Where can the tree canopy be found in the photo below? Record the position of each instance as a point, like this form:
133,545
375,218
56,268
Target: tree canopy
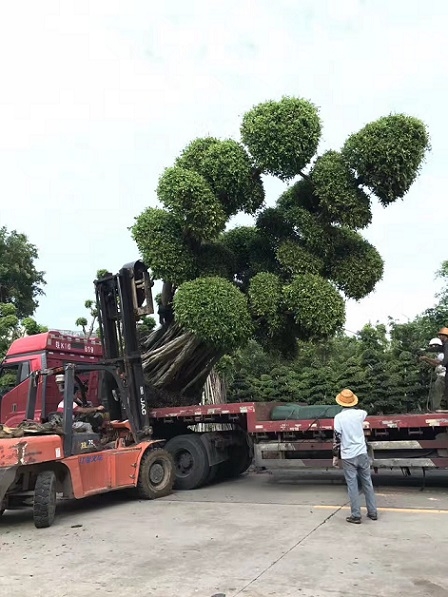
11,327
21,283
303,256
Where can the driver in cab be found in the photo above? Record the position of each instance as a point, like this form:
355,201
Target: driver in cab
83,416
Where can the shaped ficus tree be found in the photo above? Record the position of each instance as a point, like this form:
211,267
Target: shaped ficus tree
287,276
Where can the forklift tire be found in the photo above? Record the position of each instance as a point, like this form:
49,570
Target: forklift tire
156,475
190,459
44,506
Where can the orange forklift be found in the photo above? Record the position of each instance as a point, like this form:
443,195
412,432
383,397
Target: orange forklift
59,456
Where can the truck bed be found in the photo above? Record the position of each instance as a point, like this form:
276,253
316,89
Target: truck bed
255,418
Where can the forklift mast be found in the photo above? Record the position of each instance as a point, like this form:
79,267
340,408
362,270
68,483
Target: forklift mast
121,300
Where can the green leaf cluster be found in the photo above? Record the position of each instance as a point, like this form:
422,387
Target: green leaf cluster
229,171
216,259
215,311
265,298
295,259
317,307
387,154
355,265
282,136
160,240
340,198
188,196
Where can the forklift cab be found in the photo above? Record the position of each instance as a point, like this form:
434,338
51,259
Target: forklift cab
76,439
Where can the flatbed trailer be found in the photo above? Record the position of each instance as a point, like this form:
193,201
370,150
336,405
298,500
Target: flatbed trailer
399,441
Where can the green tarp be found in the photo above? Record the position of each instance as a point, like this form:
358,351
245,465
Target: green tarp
296,412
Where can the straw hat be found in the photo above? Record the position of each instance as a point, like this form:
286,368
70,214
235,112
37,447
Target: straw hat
347,398
443,332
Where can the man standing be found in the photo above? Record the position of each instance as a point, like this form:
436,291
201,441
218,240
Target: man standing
349,445
438,387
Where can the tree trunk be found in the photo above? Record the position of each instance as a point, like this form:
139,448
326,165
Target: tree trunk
215,389
176,366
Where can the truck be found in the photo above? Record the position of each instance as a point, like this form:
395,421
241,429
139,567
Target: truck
211,442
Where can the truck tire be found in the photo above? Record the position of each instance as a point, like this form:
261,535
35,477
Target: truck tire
212,474
238,462
156,474
44,506
190,460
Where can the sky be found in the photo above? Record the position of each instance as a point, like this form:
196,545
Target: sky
98,98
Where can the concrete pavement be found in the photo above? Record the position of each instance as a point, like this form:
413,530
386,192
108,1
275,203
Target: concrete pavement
253,537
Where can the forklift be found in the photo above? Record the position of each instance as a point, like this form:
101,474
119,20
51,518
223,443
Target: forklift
57,456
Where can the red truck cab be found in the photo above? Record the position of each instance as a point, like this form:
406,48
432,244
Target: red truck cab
43,351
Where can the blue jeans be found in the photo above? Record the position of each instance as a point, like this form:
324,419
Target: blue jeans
354,468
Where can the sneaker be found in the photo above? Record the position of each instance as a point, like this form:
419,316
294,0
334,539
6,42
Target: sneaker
353,519
372,516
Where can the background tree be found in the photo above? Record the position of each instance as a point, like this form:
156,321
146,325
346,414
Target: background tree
82,322
285,278
88,327
11,327
8,324
20,282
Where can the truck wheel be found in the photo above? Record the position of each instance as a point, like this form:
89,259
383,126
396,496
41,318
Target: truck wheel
44,506
239,461
156,475
190,460
212,474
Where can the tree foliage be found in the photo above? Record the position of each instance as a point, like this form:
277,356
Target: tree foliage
214,311
298,262
282,136
386,377
316,306
189,197
266,298
295,259
21,283
162,240
12,327
387,155
354,265
340,198
380,363
229,171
